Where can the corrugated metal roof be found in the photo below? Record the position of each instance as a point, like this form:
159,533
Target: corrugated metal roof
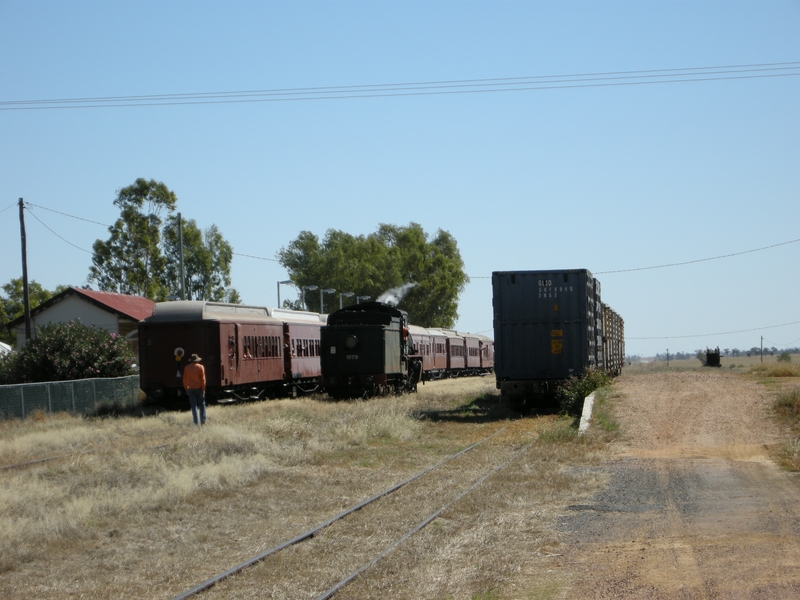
134,308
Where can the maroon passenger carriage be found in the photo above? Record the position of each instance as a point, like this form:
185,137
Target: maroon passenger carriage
249,352
486,353
447,353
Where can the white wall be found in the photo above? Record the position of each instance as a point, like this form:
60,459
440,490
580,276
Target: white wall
69,309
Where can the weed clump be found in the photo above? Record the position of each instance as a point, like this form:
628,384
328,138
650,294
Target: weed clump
571,393
776,370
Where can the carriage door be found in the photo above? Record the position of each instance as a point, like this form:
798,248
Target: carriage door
229,353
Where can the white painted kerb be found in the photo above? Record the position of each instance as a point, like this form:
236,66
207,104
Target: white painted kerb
586,415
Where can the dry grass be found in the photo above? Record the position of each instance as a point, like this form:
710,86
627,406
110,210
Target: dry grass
148,507
736,364
776,369
115,467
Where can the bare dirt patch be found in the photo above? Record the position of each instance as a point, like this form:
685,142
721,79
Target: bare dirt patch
694,506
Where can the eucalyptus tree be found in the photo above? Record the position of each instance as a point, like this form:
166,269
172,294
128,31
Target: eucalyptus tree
429,270
131,260
207,258
141,256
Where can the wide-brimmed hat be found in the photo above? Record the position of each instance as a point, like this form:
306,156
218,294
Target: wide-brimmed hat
195,358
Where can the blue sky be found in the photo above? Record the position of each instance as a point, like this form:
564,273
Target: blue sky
608,178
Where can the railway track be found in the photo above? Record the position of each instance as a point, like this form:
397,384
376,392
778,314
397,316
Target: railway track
321,562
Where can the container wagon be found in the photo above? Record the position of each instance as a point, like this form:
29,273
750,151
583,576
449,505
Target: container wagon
548,326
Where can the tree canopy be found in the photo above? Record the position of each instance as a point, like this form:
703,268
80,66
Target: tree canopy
207,260
12,304
141,257
430,272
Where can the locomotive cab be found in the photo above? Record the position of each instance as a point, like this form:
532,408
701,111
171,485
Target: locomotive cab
366,351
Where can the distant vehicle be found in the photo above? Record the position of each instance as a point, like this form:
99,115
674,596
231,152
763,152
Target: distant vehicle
549,326
4,349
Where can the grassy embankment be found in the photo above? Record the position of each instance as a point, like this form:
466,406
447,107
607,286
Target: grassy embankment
783,378
129,501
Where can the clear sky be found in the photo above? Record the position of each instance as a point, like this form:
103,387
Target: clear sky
570,175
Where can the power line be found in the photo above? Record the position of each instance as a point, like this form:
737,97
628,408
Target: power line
55,234
678,264
676,337
28,204
689,262
9,206
426,88
784,345
257,257
67,215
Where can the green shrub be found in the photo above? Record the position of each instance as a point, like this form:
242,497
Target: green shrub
784,357
571,393
64,351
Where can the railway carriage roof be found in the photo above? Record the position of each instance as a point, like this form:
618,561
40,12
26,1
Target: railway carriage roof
417,330
449,333
198,310
297,316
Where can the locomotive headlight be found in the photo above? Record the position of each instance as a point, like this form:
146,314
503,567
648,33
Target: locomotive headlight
351,342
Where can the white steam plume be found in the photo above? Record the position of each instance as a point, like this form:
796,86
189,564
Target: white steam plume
395,295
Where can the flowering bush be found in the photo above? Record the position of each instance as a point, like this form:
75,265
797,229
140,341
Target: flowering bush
64,351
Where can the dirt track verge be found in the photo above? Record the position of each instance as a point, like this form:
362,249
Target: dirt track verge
694,506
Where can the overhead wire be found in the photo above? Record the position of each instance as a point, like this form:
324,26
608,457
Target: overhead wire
67,215
425,88
689,262
55,234
27,204
783,344
676,337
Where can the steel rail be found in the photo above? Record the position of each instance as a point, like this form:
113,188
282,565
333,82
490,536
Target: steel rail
331,591
312,532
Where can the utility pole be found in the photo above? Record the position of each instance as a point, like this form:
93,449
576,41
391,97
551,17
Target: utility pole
25,294
180,248
762,348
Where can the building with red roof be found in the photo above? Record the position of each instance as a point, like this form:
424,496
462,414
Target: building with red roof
116,313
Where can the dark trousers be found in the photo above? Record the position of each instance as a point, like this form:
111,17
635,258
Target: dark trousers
197,401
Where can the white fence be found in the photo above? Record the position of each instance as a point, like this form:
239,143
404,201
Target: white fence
85,396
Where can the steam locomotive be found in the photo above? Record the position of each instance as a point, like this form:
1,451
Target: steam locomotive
370,349
253,352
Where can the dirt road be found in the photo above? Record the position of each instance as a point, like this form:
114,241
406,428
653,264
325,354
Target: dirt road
694,507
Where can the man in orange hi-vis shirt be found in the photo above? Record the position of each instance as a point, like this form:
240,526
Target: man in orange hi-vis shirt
194,381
